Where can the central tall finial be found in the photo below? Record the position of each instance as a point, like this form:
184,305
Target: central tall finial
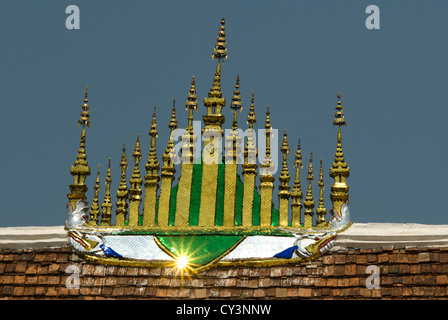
215,101
220,50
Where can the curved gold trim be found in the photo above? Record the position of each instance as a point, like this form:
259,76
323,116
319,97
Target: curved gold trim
198,269
195,267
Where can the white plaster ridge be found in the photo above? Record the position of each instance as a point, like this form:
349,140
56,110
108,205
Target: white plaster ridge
372,235
32,237
358,235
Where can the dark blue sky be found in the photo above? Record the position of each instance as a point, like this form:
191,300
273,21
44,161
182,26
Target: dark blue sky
295,55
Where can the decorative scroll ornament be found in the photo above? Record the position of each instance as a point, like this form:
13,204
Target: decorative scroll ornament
213,215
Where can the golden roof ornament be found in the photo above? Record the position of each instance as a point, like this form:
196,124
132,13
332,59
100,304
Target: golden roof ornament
135,190
137,154
192,104
296,193
122,192
284,174
220,50
236,104
152,164
169,156
196,222
95,208
84,118
321,211
251,119
339,119
339,171
308,203
250,149
81,169
267,161
106,206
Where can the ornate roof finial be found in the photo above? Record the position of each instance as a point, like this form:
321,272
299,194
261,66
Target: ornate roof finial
220,50
284,174
152,164
81,169
153,130
308,203
215,101
268,128
192,100
250,150
137,154
236,104
285,147
173,120
321,210
339,115
84,118
122,192
310,169
296,193
95,208
298,158
192,104
168,156
251,119
107,202
135,190
123,162
268,120
321,176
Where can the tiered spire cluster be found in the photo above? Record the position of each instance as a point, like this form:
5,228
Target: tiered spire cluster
207,189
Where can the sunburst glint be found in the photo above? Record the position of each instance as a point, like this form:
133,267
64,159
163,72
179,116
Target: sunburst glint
182,262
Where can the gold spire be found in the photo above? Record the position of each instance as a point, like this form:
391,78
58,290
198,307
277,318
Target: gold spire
81,169
249,168
107,202
250,151
321,211
152,166
309,201
220,50
284,174
168,169
284,178
122,192
236,104
298,158
296,193
137,154
310,170
135,191
95,208
151,178
266,178
84,118
339,171
268,128
153,129
168,156
339,115
251,119
192,104
215,101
